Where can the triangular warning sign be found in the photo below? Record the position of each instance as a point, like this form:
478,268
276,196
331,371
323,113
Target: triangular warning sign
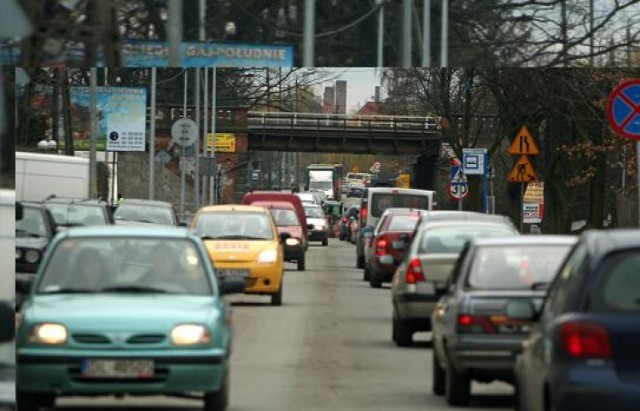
522,172
524,143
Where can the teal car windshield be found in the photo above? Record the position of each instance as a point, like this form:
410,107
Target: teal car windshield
126,265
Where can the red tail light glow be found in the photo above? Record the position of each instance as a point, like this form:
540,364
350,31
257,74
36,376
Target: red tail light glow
345,219
585,340
414,272
476,324
363,213
381,246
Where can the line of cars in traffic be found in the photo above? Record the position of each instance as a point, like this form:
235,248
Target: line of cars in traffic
557,317
136,308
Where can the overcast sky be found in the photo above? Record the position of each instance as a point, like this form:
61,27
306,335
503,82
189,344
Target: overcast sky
361,85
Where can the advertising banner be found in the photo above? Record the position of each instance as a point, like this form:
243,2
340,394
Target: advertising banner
207,54
121,118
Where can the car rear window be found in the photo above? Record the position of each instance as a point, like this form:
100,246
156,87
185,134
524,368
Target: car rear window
284,217
381,201
617,288
144,213
451,239
515,267
403,223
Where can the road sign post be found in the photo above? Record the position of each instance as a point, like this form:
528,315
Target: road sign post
623,112
523,145
475,162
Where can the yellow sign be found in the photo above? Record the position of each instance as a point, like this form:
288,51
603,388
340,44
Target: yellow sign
403,180
522,172
225,142
524,144
534,193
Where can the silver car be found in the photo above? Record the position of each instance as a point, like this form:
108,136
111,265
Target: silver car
419,281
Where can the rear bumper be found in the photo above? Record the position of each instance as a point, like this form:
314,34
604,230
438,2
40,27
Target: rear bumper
263,278
491,354
415,307
293,252
175,373
382,272
593,388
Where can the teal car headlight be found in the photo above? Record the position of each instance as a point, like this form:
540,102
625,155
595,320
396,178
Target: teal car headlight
49,334
190,334
32,256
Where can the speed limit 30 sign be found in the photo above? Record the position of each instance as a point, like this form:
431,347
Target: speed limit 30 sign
458,185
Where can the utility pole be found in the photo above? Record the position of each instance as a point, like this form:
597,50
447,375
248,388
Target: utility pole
206,130
444,36
183,176
380,60
152,136
197,142
175,33
426,33
94,132
309,32
214,188
66,107
406,33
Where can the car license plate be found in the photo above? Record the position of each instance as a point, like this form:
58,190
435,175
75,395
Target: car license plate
234,274
118,368
397,244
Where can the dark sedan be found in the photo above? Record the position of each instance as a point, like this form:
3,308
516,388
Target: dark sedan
69,212
33,234
583,353
473,338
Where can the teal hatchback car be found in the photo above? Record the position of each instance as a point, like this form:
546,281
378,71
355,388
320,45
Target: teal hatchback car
125,311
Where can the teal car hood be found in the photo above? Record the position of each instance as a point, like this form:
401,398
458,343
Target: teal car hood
123,312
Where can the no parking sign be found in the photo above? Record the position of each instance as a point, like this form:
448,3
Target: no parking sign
623,109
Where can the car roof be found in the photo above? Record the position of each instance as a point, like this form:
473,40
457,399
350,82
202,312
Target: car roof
63,200
232,207
33,204
398,190
451,215
606,241
274,204
402,211
429,224
142,201
134,231
526,240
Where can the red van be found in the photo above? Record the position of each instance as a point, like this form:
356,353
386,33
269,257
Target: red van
287,221
250,198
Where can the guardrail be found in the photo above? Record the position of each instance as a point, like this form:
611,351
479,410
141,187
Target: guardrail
317,121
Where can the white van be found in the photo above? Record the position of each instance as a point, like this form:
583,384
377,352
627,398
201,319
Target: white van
376,200
356,178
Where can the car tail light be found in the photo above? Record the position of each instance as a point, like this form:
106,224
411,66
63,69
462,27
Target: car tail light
363,213
475,324
585,340
345,219
381,246
414,272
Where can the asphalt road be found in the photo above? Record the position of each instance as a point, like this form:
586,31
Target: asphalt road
328,347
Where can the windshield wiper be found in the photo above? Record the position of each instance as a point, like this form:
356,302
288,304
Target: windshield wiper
133,289
68,291
27,233
540,285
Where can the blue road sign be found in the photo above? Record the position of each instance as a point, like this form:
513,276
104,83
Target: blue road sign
458,185
473,160
623,109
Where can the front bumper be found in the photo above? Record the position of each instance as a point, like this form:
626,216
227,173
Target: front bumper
293,252
176,371
263,278
318,235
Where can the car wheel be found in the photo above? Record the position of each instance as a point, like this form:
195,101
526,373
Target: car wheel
276,299
360,262
457,387
374,282
402,332
437,376
301,263
34,402
219,400
325,242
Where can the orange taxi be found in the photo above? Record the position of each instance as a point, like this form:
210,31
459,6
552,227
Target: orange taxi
243,243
